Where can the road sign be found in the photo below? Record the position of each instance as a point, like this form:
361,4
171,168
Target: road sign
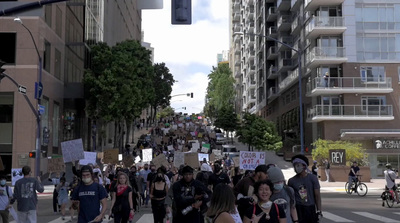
21,89
42,108
38,90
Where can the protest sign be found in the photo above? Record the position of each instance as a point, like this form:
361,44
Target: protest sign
128,161
16,174
160,160
137,159
236,161
212,157
158,140
170,147
179,159
72,150
250,160
196,146
212,135
205,148
55,165
192,159
147,155
100,155
90,157
202,156
111,156
200,135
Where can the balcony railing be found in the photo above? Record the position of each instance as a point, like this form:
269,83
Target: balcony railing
273,92
253,109
327,53
284,22
289,80
272,31
272,71
271,14
326,25
350,112
340,85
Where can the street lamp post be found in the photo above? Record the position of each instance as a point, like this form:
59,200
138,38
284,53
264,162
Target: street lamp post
299,52
38,96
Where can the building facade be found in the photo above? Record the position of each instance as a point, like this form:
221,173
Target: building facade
349,52
62,33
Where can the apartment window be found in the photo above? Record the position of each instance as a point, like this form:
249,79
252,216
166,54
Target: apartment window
57,64
8,47
373,103
46,56
372,74
377,16
47,14
58,21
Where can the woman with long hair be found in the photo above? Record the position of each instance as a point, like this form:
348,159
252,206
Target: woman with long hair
121,203
158,193
265,211
222,208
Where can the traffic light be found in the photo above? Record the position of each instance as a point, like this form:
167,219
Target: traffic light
181,12
32,154
191,95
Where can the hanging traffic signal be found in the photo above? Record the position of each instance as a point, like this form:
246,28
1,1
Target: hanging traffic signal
191,95
181,12
32,154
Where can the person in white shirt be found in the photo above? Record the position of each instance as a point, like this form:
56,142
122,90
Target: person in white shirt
390,177
205,166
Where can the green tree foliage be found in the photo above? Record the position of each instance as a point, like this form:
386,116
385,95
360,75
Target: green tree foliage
162,83
220,90
227,119
119,81
354,151
259,133
166,112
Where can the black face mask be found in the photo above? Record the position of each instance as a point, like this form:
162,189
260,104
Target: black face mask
217,169
146,168
159,178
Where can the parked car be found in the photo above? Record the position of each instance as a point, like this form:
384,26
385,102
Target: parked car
220,138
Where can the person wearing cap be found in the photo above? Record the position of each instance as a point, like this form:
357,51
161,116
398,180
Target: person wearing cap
354,171
89,195
25,194
190,198
5,195
283,195
244,189
390,177
307,191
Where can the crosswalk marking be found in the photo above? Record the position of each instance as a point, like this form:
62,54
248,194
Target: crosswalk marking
376,217
335,218
145,218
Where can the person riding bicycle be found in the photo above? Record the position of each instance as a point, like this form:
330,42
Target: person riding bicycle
390,177
353,175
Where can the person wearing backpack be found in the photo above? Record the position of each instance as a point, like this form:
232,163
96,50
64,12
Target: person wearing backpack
5,195
283,195
89,195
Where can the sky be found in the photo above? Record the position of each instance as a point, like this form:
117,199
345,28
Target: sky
189,51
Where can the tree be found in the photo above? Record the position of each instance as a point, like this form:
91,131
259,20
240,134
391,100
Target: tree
227,120
259,133
119,83
220,90
354,151
162,84
166,112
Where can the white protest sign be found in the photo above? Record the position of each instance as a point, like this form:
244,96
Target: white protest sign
180,147
179,159
147,155
250,160
196,146
90,157
16,174
72,150
202,156
119,157
137,159
174,127
170,147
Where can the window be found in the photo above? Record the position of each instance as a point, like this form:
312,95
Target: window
373,103
8,47
47,14
46,56
57,64
372,74
56,122
58,21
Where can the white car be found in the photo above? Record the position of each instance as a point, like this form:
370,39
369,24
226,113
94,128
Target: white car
220,138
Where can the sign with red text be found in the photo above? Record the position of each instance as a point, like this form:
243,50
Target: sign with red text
250,160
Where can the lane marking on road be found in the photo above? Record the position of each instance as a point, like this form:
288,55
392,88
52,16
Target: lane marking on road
376,217
335,218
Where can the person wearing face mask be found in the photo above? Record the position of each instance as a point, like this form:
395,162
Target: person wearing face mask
283,195
264,211
5,195
25,194
89,195
135,184
218,176
307,191
151,176
145,193
158,193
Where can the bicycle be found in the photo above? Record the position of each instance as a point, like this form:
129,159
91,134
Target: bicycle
357,186
389,196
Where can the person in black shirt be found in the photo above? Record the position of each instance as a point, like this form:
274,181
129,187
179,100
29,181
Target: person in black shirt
353,175
151,176
238,176
218,176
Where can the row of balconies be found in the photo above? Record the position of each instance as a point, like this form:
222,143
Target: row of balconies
312,5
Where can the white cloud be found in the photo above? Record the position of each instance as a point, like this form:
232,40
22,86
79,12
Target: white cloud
186,47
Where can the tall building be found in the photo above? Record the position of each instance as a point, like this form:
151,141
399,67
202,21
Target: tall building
223,57
350,53
62,33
